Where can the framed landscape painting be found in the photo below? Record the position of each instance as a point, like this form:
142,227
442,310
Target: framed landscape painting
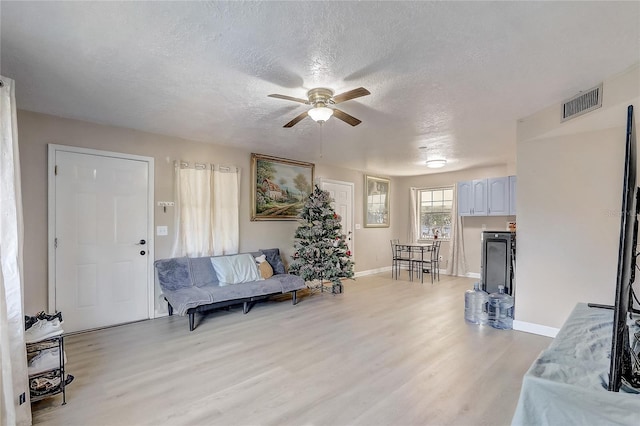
376,202
279,187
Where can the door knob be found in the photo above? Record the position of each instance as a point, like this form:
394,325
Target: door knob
141,243
142,252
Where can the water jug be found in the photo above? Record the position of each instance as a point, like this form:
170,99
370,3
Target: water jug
500,310
475,305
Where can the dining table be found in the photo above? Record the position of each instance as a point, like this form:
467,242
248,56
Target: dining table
416,253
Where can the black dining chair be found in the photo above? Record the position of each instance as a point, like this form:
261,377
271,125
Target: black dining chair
399,257
430,265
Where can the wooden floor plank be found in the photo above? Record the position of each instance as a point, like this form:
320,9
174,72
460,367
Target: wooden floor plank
386,352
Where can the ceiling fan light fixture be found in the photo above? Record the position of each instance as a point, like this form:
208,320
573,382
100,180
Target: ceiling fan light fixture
319,98
436,164
320,114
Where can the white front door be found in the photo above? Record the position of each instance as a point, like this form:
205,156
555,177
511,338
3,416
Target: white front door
101,239
342,194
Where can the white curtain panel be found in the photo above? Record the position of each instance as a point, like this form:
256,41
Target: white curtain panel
194,221
226,210
13,355
457,260
414,222
207,209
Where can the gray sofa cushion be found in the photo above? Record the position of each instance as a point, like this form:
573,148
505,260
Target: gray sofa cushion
243,291
274,259
202,272
173,274
187,297
289,282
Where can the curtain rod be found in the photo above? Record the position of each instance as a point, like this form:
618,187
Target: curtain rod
206,166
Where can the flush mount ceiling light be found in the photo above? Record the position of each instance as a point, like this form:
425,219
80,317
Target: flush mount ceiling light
436,164
320,113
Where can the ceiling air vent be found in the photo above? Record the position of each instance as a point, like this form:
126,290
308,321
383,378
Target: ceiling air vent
582,103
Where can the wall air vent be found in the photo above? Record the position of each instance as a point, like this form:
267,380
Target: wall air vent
582,103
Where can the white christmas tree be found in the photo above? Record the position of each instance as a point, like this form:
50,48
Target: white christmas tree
321,251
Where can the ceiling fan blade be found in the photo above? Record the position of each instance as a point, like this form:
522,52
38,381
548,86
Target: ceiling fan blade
351,94
349,119
296,120
289,98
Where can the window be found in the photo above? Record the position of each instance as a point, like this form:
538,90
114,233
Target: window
434,212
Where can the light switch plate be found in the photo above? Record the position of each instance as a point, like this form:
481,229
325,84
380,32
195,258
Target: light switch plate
358,226
162,231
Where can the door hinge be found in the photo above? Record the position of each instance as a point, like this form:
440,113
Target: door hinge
55,242
55,170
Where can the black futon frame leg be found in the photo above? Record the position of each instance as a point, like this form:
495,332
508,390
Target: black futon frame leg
295,297
192,318
170,308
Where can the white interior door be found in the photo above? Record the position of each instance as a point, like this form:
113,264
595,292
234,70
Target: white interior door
101,239
342,193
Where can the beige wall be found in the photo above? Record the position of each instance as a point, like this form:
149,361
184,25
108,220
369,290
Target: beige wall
472,226
569,196
38,130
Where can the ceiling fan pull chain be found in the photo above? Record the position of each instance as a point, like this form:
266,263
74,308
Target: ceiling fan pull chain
321,137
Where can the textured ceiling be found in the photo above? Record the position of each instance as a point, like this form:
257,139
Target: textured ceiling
450,76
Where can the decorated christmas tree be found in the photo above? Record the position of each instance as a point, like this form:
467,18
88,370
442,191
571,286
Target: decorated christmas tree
321,251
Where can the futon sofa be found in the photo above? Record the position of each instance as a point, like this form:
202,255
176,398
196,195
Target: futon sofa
199,284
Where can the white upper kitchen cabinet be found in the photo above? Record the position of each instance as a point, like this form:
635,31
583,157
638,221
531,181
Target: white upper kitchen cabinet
472,197
498,196
487,197
513,180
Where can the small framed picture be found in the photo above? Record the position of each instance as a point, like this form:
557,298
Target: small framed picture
279,187
376,202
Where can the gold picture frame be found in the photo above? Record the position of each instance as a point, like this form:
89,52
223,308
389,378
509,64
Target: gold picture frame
376,202
279,187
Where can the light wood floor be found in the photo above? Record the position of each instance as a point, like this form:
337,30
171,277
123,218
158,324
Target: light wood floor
385,352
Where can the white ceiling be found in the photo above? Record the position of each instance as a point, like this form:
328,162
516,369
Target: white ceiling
450,76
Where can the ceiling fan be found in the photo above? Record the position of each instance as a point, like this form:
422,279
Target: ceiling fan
321,98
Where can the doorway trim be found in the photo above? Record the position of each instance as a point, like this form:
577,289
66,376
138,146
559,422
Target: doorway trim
52,149
322,180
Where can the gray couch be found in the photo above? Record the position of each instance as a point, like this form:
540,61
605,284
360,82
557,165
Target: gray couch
191,285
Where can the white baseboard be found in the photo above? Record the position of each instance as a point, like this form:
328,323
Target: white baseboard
475,275
385,269
532,328
372,271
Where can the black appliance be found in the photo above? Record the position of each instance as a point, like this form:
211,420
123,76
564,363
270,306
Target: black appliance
498,261
622,354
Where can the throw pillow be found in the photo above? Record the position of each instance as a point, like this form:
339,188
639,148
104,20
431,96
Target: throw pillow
202,272
265,269
173,274
273,257
235,269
